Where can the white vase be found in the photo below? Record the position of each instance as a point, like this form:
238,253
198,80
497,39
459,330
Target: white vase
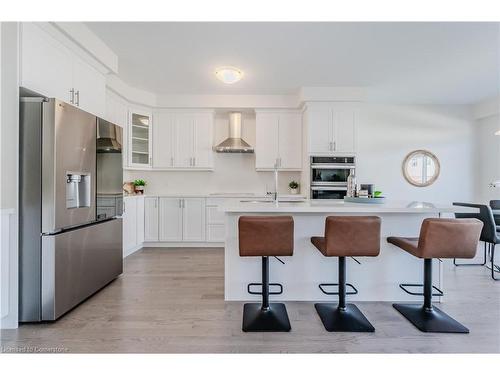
294,191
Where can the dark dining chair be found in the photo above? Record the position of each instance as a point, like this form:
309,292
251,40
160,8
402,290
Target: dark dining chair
495,205
489,235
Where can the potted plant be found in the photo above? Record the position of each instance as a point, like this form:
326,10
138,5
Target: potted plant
294,187
139,186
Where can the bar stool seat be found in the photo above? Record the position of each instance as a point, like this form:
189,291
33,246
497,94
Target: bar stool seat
346,236
265,236
439,238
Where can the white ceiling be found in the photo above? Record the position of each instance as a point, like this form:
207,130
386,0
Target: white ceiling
403,62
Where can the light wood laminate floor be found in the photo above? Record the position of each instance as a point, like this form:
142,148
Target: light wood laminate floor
172,301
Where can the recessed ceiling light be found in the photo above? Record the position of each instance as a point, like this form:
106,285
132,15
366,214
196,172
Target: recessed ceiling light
229,74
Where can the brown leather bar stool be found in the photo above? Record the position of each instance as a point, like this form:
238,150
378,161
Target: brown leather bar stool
346,236
265,236
439,238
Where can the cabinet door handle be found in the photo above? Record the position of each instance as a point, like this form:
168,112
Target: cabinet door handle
77,97
172,161
330,146
72,96
180,203
155,202
334,146
194,161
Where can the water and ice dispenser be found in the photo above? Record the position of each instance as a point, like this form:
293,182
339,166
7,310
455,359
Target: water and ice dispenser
77,190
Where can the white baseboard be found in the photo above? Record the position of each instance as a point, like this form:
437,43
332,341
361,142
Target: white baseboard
8,269
130,251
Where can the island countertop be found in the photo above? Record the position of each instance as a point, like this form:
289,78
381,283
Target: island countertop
309,206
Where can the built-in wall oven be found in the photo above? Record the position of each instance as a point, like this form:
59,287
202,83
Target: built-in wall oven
329,176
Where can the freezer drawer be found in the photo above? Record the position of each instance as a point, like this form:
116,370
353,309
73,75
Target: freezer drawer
77,263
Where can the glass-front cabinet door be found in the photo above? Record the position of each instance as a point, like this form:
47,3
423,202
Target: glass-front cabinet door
140,154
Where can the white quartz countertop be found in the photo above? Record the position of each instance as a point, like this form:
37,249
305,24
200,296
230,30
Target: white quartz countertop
309,206
243,196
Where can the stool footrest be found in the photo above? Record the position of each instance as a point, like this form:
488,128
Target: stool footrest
260,284
439,293
321,287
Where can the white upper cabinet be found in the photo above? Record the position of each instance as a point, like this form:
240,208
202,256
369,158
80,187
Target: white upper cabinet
332,128
90,88
163,140
344,124
203,139
290,141
266,140
117,113
139,138
46,65
51,69
183,140
278,140
320,130
116,110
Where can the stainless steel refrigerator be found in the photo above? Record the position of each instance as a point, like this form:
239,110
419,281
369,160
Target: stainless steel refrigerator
66,252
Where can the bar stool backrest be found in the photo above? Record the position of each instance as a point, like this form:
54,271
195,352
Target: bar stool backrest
265,236
449,238
495,205
489,232
352,235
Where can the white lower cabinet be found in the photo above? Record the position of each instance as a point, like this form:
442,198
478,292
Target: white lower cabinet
170,219
174,219
193,219
133,224
151,223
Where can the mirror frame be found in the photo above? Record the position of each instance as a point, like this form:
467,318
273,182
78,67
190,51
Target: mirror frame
427,153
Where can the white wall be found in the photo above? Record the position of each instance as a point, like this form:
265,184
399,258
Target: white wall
234,173
9,130
387,133
488,158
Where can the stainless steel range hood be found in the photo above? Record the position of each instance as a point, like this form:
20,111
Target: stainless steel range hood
234,144
108,136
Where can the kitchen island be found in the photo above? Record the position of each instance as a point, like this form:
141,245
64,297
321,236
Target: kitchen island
377,279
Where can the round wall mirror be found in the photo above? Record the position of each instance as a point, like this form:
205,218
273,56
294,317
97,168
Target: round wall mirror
421,168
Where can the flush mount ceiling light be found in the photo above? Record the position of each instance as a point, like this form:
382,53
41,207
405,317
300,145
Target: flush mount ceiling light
229,74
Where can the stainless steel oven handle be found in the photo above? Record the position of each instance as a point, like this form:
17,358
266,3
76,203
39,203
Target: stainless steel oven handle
332,166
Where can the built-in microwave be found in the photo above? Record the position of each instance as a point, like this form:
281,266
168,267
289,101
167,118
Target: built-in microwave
329,176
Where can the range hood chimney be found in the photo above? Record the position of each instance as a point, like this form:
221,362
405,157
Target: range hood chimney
107,140
234,144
